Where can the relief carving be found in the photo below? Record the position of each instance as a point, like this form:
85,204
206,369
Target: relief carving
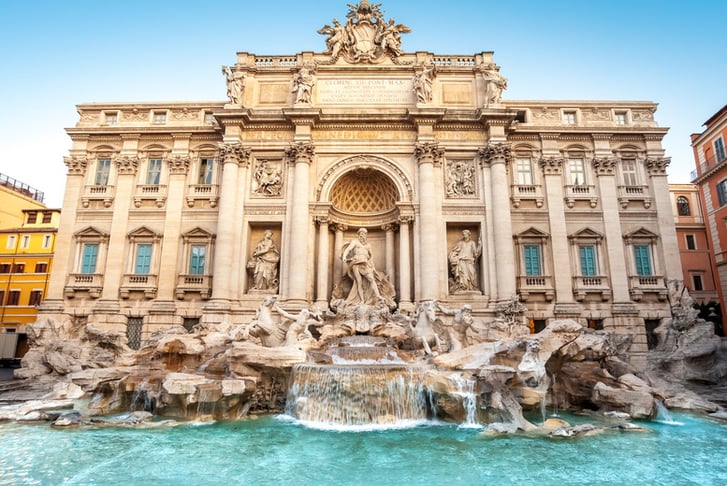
268,178
460,178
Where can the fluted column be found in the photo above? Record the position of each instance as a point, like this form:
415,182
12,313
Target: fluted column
64,246
337,248
427,155
301,153
497,156
322,284
404,262
126,167
605,169
233,155
390,252
656,168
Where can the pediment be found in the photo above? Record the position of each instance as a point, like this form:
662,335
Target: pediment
586,233
90,232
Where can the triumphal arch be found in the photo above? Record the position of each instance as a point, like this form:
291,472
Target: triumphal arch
364,173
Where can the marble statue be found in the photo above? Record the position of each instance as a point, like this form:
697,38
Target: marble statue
462,263
264,264
423,326
268,179
423,84
460,179
357,254
338,37
462,320
303,83
496,84
264,327
298,330
235,84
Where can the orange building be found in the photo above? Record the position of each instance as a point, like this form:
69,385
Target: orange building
710,177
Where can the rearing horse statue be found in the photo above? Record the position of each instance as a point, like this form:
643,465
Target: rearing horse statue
422,326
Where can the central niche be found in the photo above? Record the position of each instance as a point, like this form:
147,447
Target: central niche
364,191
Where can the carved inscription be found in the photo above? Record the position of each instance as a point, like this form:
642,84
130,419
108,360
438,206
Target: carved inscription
364,91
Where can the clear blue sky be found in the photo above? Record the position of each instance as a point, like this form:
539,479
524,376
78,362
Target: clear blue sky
56,54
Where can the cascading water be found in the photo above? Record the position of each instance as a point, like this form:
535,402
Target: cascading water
330,396
466,390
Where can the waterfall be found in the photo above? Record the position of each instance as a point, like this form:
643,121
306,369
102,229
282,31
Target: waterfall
466,390
383,395
663,415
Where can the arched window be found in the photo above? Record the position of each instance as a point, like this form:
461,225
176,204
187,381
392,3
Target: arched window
683,206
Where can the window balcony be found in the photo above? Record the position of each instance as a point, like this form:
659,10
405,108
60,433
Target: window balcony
536,284
139,283
98,193
647,284
580,192
84,282
187,283
205,192
530,192
150,192
634,193
595,284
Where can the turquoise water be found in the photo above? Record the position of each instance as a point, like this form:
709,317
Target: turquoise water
274,451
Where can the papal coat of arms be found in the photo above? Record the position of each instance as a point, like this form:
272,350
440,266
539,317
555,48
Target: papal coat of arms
366,36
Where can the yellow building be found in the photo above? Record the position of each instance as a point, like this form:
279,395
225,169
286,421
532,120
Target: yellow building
14,197
26,257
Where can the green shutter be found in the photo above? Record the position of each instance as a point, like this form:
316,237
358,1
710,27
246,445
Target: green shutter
588,260
197,260
532,260
88,261
143,259
642,260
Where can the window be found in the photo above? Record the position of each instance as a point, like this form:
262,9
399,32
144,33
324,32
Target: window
587,254
2,297
154,171
719,151
205,171
197,259
642,259
88,258
683,206
531,257
103,168
41,267
32,217
143,258
189,323
160,118
569,117
47,239
134,326
628,172
620,117
11,242
524,171
697,282
112,118
722,192
35,297
595,324
13,297
577,171
19,268
47,217
691,243
5,268
25,241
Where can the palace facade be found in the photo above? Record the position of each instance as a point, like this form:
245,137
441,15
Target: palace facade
181,213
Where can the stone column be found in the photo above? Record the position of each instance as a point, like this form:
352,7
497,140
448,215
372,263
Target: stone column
428,154
63,257
322,287
232,155
662,200
605,169
497,155
390,253
404,263
301,154
337,248
552,168
126,167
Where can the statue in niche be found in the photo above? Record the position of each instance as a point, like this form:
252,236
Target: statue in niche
268,179
462,264
423,84
264,264
235,84
460,179
462,320
303,83
495,85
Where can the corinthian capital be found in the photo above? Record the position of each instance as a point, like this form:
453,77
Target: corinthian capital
76,165
552,165
127,164
657,166
234,153
300,152
495,153
428,152
178,164
604,165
